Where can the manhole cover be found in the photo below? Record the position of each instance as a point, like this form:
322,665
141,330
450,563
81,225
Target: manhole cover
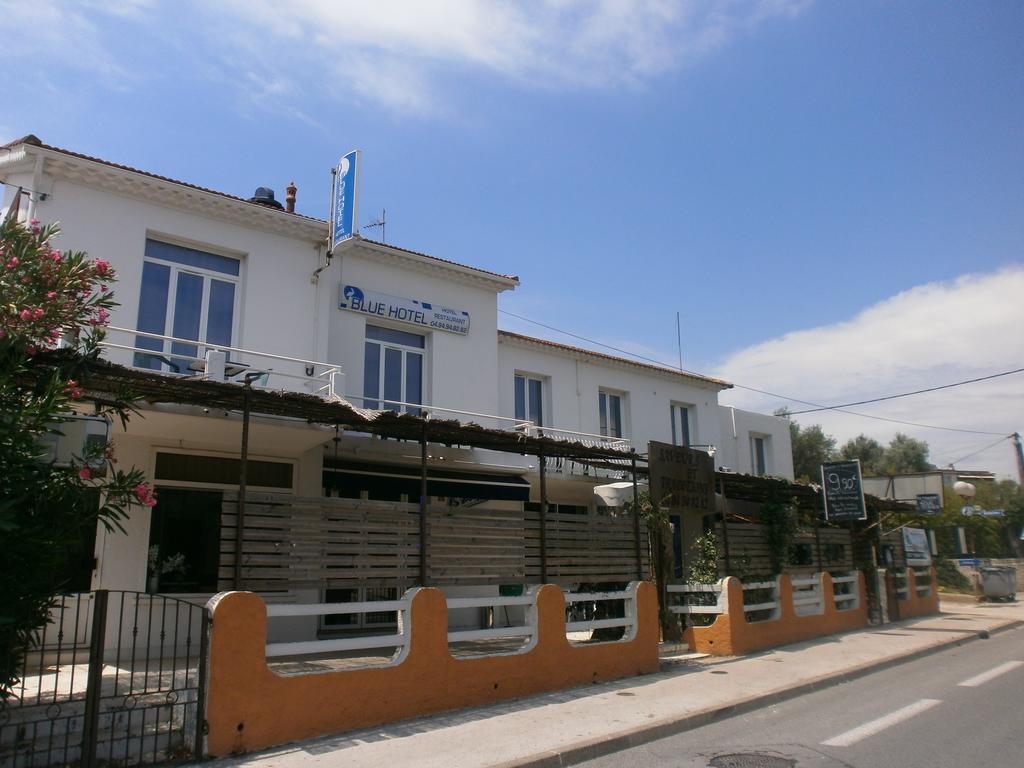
751,760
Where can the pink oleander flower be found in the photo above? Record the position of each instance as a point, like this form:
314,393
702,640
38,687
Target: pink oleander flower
13,262
51,295
102,267
25,314
144,495
85,473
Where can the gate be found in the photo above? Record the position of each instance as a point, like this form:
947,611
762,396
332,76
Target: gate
114,678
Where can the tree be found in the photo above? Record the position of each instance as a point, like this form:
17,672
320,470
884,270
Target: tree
811,447
905,454
53,311
869,451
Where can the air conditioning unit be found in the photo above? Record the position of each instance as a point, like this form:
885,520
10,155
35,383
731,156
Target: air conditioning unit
79,434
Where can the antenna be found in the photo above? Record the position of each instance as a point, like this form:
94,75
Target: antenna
679,341
382,223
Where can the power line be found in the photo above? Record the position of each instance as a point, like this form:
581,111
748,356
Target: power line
816,406
908,394
980,450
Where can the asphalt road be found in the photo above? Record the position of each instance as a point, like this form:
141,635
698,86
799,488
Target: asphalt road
962,707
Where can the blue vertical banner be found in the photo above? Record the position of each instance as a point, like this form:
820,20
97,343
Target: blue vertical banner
345,198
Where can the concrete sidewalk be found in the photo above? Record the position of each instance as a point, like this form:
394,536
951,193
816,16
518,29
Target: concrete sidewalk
569,726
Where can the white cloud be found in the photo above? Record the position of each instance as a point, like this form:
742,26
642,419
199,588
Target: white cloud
391,52
45,33
930,335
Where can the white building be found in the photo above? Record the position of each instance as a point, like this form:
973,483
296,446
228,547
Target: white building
201,270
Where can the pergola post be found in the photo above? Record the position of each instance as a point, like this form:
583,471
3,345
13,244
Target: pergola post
636,522
725,527
243,471
543,518
423,506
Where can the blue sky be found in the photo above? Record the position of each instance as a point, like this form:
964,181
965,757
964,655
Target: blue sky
783,173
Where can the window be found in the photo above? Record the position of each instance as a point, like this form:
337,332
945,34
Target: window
529,399
393,369
610,407
681,423
184,541
187,294
759,454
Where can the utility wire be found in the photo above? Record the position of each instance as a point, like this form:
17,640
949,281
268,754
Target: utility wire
980,450
908,394
816,406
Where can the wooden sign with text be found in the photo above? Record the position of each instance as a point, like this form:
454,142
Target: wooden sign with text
682,479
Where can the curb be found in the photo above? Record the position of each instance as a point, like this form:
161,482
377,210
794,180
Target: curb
616,742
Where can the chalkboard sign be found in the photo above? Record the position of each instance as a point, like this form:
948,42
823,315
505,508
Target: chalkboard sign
928,504
843,492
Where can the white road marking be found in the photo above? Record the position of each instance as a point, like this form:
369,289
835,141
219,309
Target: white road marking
993,673
876,726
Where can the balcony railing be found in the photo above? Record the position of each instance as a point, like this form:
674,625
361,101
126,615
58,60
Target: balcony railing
174,356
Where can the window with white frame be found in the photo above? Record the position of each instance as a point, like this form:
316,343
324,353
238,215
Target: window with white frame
529,392
759,446
393,369
186,294
610,407
682,423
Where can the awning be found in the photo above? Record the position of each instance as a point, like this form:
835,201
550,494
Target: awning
389,479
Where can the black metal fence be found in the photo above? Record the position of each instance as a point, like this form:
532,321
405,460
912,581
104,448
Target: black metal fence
115,678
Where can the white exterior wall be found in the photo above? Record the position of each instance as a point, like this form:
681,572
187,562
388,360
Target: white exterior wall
737,429
274,311
573,384
449,356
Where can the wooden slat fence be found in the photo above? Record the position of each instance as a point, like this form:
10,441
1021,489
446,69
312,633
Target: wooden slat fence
295,542
748,550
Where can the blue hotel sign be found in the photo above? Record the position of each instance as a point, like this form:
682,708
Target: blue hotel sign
419,313
344,198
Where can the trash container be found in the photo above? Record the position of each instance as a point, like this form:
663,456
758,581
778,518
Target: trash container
999,582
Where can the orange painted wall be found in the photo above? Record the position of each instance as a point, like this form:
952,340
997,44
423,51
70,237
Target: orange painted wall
732,634
914,605
250,707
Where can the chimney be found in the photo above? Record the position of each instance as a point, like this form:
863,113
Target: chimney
289,198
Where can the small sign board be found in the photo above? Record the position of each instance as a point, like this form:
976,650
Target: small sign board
929,504
682,479
424,314
344,198
843,491
915,546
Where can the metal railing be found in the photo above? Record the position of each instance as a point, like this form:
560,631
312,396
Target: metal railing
176,356
324,379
